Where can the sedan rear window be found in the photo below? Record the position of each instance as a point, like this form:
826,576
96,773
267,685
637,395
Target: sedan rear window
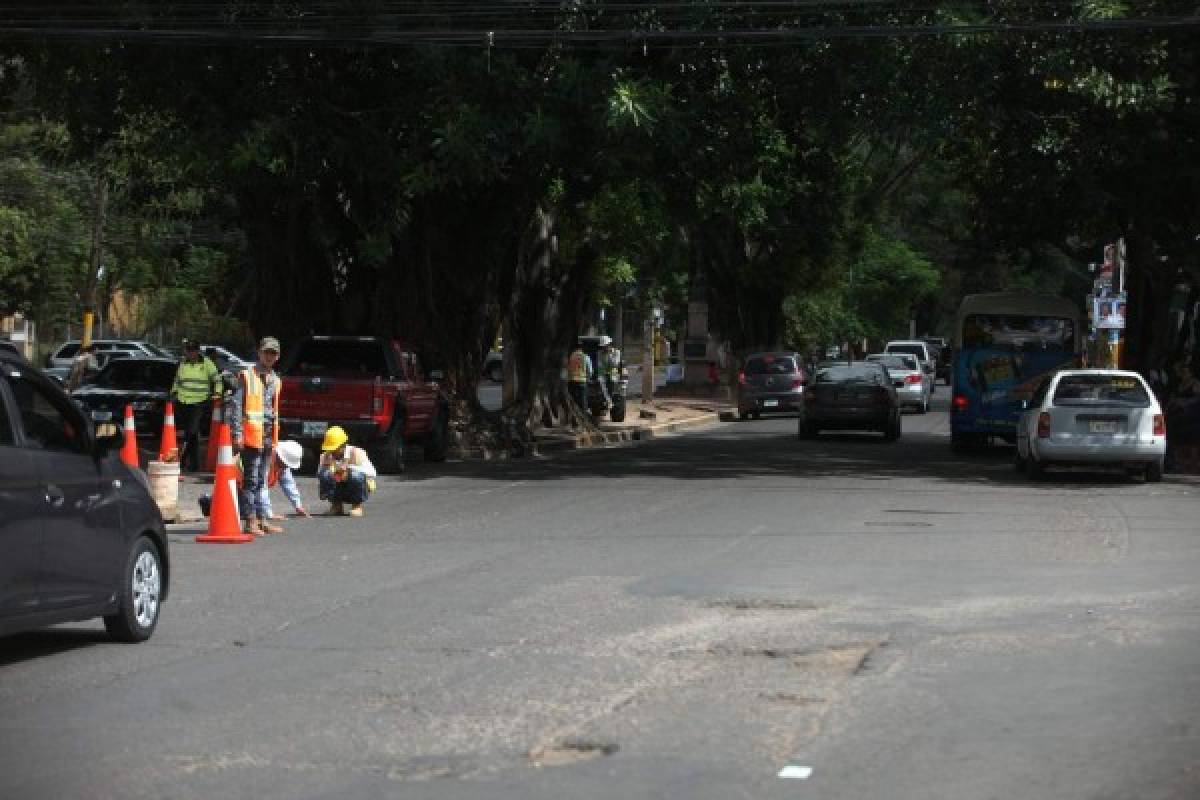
850,373
347,357
771,365
1087,390
897,362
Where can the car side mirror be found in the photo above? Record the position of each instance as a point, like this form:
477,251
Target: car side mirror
107,438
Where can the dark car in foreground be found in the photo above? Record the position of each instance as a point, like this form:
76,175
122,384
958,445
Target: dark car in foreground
770,383
144,383
80,535
855,395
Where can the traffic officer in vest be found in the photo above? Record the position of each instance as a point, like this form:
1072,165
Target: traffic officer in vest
579,370
253,417
197,380
610,369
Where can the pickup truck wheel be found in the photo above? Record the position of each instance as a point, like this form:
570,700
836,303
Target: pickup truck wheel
388,455
437,442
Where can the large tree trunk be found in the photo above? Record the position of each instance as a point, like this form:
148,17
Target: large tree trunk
548,302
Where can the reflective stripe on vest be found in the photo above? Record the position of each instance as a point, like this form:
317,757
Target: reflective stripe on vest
252,410
577,368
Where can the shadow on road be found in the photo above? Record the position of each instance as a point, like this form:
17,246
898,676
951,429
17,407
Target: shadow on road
762,451
51,641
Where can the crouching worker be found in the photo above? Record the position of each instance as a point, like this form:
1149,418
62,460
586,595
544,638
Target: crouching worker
288,455
344,473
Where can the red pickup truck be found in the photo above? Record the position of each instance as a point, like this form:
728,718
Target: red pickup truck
370,386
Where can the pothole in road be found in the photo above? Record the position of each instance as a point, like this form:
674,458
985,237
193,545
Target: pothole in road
570,751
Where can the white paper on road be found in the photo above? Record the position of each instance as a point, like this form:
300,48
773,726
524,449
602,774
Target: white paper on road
796,772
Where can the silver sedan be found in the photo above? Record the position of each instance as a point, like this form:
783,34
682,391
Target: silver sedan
1093,417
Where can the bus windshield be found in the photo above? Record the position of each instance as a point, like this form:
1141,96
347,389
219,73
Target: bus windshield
1019,333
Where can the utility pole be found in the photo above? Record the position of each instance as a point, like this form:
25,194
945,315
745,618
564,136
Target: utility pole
99,209
648,359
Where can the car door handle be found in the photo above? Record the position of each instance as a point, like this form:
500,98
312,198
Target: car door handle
55,496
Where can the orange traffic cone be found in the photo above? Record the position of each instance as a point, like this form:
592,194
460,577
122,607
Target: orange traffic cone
129,451
214,429
224,522
168,449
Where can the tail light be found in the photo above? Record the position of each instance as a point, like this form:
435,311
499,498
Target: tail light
1044,425
742,377
912,378
960,403
379,405
1160,425
797,383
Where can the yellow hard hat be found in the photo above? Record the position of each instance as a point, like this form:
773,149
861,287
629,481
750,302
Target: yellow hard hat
335,437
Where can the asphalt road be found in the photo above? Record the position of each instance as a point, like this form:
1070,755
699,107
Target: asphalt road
683,618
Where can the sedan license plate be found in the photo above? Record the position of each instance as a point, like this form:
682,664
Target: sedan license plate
770,402
313,428
1102,426
101,416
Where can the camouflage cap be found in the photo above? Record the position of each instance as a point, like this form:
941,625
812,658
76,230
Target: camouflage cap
269,343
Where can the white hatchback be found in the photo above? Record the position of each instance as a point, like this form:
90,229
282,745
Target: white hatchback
1095,417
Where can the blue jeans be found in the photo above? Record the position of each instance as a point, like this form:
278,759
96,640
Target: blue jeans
255,465
352,490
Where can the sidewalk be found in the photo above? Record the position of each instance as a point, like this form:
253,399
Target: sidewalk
664,415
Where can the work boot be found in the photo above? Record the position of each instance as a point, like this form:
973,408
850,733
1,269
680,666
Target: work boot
336,510
356,510
252,527
267,528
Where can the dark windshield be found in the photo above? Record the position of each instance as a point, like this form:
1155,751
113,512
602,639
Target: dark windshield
853,373
915,350
132,373
1018,332
770,365
348,357
1086,390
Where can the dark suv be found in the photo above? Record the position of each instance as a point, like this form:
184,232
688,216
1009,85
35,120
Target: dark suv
80,535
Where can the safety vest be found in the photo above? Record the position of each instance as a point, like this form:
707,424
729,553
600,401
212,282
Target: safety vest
612,364
195,381
253,417
577,367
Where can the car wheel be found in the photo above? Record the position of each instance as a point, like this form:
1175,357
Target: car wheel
1154,471
743,415
893,430
139,597
809,431
438,442
388,455
1018,462
1034,469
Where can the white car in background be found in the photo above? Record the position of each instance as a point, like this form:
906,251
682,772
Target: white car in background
63,357
914,386
1093,417
922,352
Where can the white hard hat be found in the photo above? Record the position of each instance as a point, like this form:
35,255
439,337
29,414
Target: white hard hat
290,453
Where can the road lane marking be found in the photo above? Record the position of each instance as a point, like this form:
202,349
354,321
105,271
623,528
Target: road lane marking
801,773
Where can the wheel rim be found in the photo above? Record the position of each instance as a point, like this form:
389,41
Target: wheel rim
147,583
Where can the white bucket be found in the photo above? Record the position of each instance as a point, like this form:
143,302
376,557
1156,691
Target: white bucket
164,487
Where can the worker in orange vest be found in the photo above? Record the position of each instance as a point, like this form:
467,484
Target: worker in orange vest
253,416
